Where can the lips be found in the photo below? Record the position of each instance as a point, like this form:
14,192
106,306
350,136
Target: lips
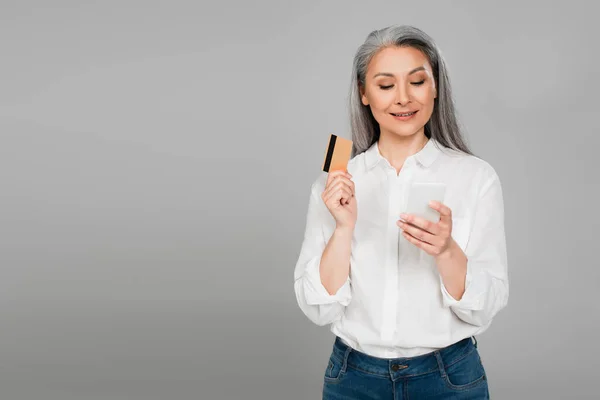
404,114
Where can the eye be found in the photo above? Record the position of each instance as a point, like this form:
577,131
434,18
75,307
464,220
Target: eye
412,83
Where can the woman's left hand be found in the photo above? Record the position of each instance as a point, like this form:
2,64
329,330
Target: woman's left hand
433,238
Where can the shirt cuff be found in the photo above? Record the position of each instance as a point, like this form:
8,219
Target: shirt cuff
316,293
472,298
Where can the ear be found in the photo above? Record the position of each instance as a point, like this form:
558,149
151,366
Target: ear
363,97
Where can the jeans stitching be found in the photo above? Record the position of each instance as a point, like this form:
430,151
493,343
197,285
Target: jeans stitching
329,368
356,367
446,379
419,374
466,386
344,365
441,366
333,380
353,366
337,358
460,358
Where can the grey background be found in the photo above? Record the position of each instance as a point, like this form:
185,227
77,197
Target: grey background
156,161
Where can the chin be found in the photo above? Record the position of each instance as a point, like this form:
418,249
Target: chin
405,133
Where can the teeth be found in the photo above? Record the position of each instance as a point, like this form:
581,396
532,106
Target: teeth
404,115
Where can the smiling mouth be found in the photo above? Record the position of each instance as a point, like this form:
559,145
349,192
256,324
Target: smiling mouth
404,114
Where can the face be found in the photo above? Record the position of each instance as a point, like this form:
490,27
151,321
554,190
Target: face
400,80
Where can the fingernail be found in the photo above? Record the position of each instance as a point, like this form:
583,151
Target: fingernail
403,216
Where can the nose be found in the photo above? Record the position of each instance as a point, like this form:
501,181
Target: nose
402,96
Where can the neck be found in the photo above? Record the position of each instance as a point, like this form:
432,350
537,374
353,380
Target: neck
396,149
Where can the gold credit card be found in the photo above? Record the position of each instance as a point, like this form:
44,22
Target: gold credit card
338,154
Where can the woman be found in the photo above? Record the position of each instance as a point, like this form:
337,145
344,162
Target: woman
404,296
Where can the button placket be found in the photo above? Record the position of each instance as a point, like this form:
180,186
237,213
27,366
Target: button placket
389,322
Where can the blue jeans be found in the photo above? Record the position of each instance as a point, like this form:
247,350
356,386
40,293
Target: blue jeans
454,372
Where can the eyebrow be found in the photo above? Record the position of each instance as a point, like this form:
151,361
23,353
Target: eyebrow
421,68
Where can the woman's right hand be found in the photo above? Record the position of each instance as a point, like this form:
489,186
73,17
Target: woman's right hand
339,198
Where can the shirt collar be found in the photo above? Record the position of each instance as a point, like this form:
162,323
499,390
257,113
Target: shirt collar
426,156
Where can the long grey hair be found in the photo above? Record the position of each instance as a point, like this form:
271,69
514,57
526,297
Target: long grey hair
442,126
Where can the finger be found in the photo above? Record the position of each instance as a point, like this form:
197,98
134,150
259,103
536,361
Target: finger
333,174
338,193
338,182
338,197
341,178
422,223
418,233
341,182
422,245
444,210
346,180
337,185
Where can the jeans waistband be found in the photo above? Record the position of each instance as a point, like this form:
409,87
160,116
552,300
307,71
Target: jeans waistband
404,366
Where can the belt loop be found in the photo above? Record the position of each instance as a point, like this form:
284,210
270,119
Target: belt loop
440,362
346,354
474,341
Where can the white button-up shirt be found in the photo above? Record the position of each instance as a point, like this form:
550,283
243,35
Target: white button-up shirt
394,302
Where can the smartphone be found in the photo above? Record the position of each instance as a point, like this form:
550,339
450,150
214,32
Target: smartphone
419,196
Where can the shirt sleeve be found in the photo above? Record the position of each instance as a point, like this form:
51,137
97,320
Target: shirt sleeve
318,305
486,283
